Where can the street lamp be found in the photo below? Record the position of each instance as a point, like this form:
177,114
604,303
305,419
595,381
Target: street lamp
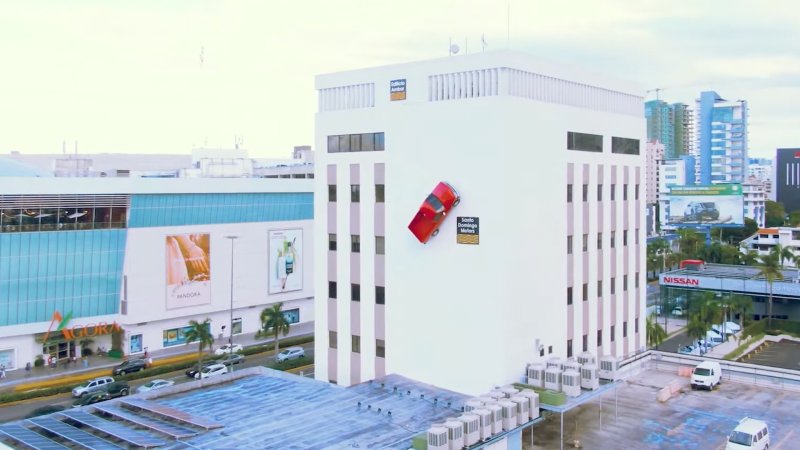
230,338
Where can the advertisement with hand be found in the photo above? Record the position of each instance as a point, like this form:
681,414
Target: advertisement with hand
188,270
285,260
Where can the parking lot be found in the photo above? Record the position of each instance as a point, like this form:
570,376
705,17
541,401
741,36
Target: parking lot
689,420
783,353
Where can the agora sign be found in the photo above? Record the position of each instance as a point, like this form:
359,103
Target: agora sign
682,280
79,331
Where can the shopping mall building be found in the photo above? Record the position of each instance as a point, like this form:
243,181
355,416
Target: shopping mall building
544,255
81,258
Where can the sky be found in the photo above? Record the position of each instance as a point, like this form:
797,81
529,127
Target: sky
168,76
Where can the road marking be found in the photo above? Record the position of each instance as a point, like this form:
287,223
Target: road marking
778,445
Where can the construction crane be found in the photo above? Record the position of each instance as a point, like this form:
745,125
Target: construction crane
656,90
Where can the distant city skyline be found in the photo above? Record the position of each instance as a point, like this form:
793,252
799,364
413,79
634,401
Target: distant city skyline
156,77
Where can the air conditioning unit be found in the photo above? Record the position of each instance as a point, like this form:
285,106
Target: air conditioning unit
497,417
536,374
437,438
555,361
571,383
523,406
472,424
533,402
497,394
472,404
455,433
509,391
589,378
572,365
485,417
509,414
552,379
608,368
486,400
586,358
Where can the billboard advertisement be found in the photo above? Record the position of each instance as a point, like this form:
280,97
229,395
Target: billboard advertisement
188,270
715,205
285,260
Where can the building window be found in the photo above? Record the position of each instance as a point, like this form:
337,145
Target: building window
363,142
355,343
569,193
333,144
355,193
379,245
625,282
569,295
331,192
585,292
333,339
599,192
344,143
624,237
613,239
550,350
379,193
331,289
625,329
585,192
569,348
636,280
600,240
355,243
599,338
636,236
612,333
368,142
585,343
584,142
599,288
636,326
380,348
355,142
636,192
380,295
624,146
331,241
355,292
625,192
613,285
585,243
613,191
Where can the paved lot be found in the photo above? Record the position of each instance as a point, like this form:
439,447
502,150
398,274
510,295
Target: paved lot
691,420
783,353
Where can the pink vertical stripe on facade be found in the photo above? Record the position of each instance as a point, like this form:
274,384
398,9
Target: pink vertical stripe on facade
355,268
332,365
355,368
380,322
333,324
355,318
380,173
355,222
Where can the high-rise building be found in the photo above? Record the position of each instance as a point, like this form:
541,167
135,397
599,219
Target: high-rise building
672,125
673,172
787,178
544,256
654,151
721,139
754,200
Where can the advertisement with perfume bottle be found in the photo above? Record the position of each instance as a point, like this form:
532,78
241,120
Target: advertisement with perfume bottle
285,260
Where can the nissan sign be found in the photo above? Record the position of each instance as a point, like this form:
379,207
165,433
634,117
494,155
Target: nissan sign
685,281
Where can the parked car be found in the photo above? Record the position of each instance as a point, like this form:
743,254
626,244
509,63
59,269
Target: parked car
232,358
214,370
706,375
106,392
677,311
192,371
750,434
728,327
228,348
91,398
152,385
689,350
433,211
117,389
129,366
290,353
94,385
43,410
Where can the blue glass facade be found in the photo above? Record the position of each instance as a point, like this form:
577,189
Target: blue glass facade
198,209
66,271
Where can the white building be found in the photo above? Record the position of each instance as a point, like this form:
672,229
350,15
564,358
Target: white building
672,172
755,199
547,158
766,238
146,256
654,151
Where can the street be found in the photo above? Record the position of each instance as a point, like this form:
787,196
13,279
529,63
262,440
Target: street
20,410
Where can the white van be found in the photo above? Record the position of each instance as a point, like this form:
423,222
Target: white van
750,434
706,375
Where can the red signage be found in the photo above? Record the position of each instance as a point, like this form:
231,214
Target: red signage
79,331
682,280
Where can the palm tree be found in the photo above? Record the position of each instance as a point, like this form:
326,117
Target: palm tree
742,304
655,333
768,268
783,253
750,258
273,321
201,332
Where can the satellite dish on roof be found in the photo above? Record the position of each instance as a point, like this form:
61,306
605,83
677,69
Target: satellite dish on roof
454,48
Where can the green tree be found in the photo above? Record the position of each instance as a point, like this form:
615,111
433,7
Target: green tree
689,242
783,254
273,321
775,215
794,218
655,333
769,269
200,332
750,258
742,305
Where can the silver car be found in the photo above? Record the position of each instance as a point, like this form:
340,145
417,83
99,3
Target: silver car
91,386
290,353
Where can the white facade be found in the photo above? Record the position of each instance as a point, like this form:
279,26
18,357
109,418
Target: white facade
672,172
145,311
654,151
468,317
766,238
755,201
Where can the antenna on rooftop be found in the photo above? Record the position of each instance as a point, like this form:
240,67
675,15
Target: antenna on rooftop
452,49
483,43
508,24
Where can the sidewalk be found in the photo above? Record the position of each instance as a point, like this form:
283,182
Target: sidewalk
20,376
